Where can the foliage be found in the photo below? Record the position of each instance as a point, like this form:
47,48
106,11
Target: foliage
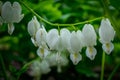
17,50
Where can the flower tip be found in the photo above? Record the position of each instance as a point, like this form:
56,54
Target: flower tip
10,28
91,53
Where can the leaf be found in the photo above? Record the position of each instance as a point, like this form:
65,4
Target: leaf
86,71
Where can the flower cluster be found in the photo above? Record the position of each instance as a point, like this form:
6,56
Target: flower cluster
10,13
55,45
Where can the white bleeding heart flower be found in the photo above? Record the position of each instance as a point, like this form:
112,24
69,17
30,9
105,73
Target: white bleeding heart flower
91,52
75,47
75,58
89,40
45,67
33,27
11,13
65,36
35,68
106,33
52,39
41,37
42,52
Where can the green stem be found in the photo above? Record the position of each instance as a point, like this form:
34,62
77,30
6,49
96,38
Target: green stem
56,24
113,72
102,68
3,67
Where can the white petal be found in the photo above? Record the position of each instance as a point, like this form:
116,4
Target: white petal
51,58
89,35
35,68
44,66
106,31
91,52
41,37
75,58
7,12
108,47
34,41
42,52
33,26
17,16
81,37
11,13
61,59
10,28
52,38
75,43
65,35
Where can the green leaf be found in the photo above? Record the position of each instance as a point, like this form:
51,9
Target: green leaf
86,71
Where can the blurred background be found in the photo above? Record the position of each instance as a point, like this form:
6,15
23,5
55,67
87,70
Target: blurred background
18,49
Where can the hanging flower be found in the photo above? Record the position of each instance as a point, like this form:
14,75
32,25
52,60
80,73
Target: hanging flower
65,36
35,69
52,39
33,27
75,47
89,40
41,37
45,67
42,52
11,14
107,34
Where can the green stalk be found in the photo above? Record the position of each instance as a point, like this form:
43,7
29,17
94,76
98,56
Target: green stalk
102,68
3,67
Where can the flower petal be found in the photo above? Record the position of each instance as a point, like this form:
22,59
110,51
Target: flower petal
34,41
7,12
52,38
17,17
65,35
91,52
42,52
10,28
106,31
44,66
41,37
75,58
89,35
33,26
108,47
75,43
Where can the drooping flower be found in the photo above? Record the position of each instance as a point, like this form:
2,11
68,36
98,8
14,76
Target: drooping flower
33,27
11,14
45,67
35,69
89,40
65,36
42,52
52,39
106,33
41,37
75,47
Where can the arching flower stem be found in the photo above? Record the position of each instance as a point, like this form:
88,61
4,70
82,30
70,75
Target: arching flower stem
56,24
